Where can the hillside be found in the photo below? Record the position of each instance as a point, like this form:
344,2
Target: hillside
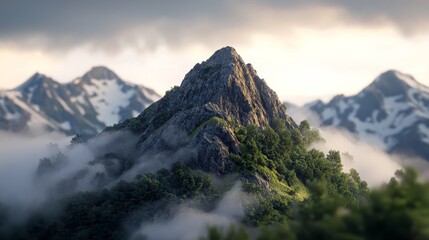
219,149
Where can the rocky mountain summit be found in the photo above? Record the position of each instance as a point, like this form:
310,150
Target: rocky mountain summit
86,105
393,109
200,115
220,146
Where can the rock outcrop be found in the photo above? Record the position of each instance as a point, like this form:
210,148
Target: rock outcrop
214,96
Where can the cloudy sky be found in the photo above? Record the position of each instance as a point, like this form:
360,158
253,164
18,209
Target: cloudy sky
303,49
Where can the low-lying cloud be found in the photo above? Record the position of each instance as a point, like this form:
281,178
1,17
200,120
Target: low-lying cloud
75,167
373,164
367,156
19,159
24,189
189,223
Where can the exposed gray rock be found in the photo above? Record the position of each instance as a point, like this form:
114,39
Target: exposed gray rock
13,118
214,96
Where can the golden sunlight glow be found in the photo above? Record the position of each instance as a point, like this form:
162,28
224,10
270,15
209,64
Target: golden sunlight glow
331,60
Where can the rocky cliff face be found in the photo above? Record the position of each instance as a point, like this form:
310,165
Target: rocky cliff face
215,96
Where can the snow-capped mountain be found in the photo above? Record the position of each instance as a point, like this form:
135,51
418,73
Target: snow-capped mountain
84,106
393,109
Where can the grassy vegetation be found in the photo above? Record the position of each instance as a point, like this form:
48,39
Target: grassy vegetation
280,159
211,121
398,210
276,167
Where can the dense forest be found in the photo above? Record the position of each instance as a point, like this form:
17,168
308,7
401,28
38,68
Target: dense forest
296,192
398,210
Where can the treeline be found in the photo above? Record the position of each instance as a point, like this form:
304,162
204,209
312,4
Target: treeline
336,205
280,171
111,213
398,210
297,193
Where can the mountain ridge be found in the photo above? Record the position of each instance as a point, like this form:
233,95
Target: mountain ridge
214,96
394,109
222,130
82,106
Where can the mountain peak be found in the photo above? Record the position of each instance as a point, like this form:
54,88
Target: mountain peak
225,81
215,95
99,73
35,80
396,76
223,66
391,112
393,82
224,56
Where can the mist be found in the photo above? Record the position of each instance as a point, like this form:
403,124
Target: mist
176,149
18,165
374,164
190,223
23,188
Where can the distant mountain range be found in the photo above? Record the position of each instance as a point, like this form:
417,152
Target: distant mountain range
220,147
393,109
84,106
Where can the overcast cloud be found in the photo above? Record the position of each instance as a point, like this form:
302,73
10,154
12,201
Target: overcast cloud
113,24
334,46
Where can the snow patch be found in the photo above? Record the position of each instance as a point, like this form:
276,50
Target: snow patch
37,121
108,98
66,126
410,81
342,105
393,124
424,132
330,113
64,104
